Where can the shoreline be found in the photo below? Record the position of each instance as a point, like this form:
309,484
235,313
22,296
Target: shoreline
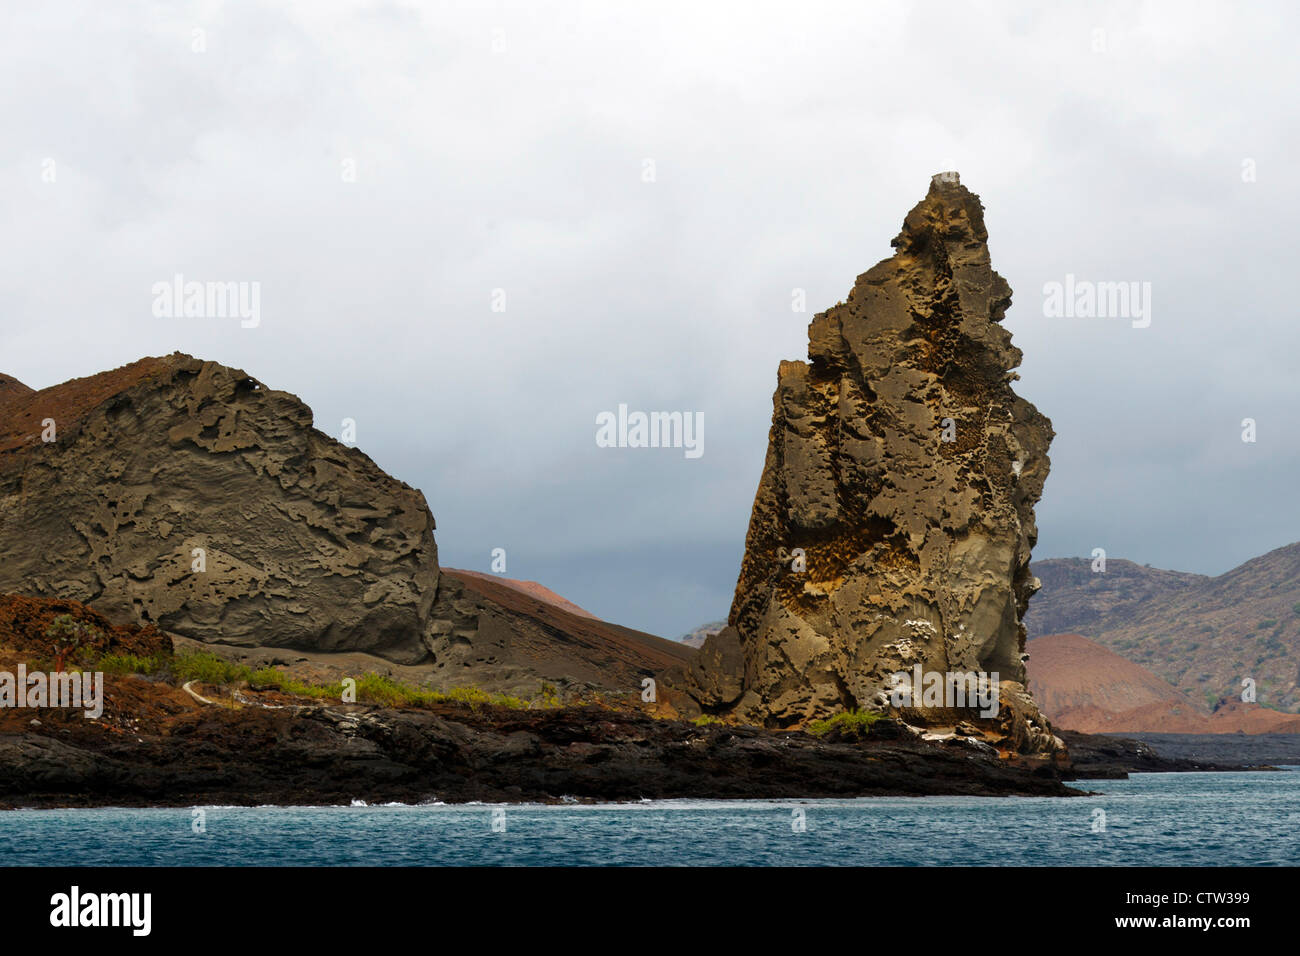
173,743
648,803
156,746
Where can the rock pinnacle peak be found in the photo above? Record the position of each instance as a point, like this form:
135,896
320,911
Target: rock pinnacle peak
894,519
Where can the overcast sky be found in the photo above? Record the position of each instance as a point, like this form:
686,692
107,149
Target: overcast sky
381,168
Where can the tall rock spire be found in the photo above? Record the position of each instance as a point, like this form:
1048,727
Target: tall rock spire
895,516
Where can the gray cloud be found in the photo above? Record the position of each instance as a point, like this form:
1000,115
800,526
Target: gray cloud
788,144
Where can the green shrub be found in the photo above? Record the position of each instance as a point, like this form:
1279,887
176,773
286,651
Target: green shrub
271,678
117,663
69,636
473,696
382,690
378,689
851,723
476,697
267,678
207,668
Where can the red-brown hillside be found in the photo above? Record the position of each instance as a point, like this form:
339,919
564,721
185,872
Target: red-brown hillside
531,588
1082,686
22,410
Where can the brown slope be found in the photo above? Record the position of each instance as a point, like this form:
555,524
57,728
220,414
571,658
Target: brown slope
10,389
22,410
1201,634
531,588
521,639
24,623
1082,686
1069,671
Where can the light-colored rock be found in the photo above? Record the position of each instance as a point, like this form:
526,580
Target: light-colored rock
916,547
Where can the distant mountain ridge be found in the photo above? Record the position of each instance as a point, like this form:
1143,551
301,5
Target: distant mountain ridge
1202,634
1077,600
697,637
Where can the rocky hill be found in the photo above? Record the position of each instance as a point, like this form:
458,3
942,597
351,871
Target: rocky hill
1075,599
186,495
1070,675
10,387
506,638
1082,686
1203,635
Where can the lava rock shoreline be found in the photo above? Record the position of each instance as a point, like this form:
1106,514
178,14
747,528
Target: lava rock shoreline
182,754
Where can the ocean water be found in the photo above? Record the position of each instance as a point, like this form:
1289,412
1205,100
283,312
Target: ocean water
1190,819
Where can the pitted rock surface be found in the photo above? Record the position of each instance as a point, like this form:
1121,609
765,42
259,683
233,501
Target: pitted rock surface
172,464
902,473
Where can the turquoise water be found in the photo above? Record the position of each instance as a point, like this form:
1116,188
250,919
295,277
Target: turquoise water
1188,819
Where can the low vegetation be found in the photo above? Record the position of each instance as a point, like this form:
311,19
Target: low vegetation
68,636
850,723
204,667
115,663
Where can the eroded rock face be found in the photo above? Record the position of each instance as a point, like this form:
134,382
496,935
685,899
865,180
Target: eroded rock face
306,544
303,541
901,475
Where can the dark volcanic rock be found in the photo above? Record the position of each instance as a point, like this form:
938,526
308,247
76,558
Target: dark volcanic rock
318,755
162,742
902,470
1229,750
1094,756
